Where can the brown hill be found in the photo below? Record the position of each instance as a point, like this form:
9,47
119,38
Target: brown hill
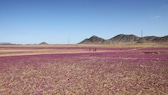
121,38
124,38
146,39
93,40
161,39
153,39
43,43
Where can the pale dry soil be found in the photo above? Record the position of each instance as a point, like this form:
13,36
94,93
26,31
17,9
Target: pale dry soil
84,75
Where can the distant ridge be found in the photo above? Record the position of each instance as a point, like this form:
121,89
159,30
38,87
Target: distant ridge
6,43
43,43
123,38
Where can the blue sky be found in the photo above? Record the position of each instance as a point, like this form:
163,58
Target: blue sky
63,21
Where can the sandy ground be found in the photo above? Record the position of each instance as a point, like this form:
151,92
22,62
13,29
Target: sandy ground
15,50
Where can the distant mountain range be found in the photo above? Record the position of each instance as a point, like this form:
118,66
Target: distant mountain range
122,38
6,43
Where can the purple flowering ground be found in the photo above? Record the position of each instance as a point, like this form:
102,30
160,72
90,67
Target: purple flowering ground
129,71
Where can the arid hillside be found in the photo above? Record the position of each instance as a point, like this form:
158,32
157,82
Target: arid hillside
122,38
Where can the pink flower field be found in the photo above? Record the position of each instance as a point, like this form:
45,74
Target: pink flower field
107,71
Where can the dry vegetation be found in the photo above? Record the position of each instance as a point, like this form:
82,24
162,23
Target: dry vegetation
110,71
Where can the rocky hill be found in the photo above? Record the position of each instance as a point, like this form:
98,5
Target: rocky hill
93,40
124,38
43,43
121,38
161,39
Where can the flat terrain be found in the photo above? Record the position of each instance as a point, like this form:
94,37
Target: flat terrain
84,69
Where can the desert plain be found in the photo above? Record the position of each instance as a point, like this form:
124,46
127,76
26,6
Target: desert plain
79,69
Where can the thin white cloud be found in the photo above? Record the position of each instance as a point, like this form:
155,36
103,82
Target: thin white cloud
156,17
165,6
